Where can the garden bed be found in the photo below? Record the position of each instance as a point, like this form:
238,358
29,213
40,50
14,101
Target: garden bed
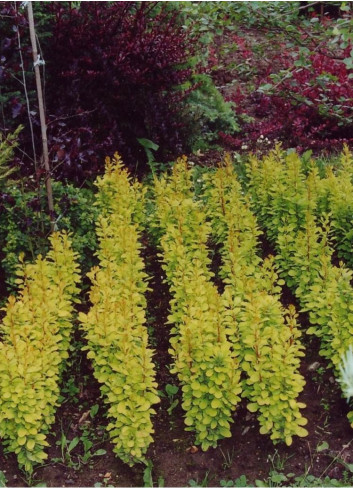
324,453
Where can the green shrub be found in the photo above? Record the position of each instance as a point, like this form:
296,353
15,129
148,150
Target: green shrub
24,225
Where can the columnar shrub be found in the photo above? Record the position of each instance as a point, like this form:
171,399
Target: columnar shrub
268,334
336,195
204,360
115,325
304,251
36,334
118,194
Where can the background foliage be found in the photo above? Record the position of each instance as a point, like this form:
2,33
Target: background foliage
175,76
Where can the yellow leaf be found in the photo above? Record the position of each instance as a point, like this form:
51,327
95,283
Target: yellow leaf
301,431
30,444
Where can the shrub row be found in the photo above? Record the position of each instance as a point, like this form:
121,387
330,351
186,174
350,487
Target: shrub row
285,201
334,196
115,324
264,332
206,363
35,335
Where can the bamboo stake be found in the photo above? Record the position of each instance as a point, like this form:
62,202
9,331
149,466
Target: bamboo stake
42,116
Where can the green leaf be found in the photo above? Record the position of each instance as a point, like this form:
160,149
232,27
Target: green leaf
147,143
172,406
30,444
265,88
22,432
260,483
3,480
171,389
73,444
225,483
147,474
322,446
99,452
241,481
94,410
277,478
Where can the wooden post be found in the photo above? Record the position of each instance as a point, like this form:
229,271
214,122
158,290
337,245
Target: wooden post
43,124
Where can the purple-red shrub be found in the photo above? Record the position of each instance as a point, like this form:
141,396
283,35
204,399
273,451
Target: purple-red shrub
310,107
13,24
115,71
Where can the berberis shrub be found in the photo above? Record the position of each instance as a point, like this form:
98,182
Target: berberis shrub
306,102
118,69
312,103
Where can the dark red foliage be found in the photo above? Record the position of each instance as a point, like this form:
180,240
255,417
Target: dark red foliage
113,73
310,108
12,46
242,46
114,70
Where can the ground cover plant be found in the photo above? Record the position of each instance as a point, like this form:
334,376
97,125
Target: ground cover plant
176,320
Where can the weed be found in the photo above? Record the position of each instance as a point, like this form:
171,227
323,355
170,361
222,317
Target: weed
278,462
32,482
94,410
105,482
150,147
239,482
338,458
275,479
68,446
152,340
308,480
148,476
228,458
318,375
171,390
347,478
70,391
325,404
204,483
323,430
322,446
87,448
3,480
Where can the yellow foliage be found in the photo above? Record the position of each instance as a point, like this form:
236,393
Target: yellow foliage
207,368
115,325
36,334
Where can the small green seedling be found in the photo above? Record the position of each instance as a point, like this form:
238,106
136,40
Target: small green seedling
239,482
171,390
3,480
